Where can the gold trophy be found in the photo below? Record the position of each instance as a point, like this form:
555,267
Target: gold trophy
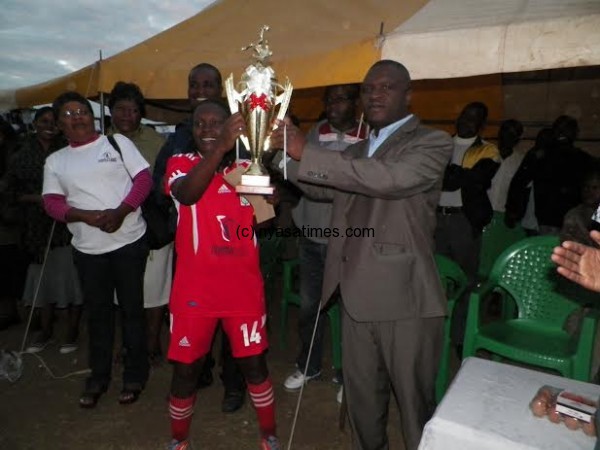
260,101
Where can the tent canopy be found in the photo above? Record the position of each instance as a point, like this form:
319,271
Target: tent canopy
308,39
460,38
318,43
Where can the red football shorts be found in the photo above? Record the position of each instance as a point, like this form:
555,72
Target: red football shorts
192,336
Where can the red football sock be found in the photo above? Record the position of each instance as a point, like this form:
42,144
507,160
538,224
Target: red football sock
264,403
181,411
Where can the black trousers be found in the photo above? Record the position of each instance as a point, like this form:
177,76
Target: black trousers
121,270
231,375
456,239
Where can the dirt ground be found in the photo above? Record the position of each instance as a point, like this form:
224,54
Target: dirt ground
41,411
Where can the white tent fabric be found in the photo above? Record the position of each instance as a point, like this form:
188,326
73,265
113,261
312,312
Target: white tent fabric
460,38
435,39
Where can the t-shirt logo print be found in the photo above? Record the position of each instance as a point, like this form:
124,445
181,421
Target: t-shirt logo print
107,157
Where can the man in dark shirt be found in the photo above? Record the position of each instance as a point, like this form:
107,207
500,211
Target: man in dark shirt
556,172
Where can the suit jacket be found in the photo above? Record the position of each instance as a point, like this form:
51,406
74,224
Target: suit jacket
389,274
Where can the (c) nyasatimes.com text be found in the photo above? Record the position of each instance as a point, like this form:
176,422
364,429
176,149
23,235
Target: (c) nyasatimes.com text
304,231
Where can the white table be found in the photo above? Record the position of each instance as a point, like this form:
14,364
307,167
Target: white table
487,407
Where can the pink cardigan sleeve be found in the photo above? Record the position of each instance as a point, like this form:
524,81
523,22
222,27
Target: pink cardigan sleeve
142,185
56,206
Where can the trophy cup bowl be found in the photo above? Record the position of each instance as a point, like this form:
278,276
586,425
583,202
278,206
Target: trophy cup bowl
260,101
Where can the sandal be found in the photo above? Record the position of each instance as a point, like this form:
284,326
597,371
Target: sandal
41,341
130,393
89,398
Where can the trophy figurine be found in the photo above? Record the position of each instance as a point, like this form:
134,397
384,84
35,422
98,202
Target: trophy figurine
260,101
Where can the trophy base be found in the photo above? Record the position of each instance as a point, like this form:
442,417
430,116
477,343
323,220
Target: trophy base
259,190
258,180
255,184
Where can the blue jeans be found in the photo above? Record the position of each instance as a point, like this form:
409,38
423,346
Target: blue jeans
312,266
100,275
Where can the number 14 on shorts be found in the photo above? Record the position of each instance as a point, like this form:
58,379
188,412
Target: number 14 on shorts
253,337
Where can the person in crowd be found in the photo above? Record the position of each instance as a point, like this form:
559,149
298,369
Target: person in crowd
555,172
204,82
580,263
209,256
464,207
509,135
98,191
52,279
529,221
335,133
393,305
577,221
127,107
13,263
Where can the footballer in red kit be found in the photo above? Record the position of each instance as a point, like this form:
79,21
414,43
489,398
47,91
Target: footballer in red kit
217,274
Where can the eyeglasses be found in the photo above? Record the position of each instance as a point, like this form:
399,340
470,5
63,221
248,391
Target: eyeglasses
79,112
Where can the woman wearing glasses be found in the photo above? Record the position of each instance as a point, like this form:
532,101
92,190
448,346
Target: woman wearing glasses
97,191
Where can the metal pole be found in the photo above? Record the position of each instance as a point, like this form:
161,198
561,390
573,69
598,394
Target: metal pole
101,97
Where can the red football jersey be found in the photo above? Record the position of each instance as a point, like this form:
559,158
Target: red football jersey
217,273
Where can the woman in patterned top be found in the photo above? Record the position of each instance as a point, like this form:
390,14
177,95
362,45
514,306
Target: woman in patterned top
59,287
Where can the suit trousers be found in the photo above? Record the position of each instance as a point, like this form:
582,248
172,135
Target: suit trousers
399,357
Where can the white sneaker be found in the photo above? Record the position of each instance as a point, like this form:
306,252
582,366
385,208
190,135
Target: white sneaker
340,395
295,380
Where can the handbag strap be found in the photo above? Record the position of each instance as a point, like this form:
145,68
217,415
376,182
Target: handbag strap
115,145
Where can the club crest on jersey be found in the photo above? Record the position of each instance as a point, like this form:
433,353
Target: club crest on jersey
224,189
107,157
244,201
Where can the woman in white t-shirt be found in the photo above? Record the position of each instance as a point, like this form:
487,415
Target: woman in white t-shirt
97,191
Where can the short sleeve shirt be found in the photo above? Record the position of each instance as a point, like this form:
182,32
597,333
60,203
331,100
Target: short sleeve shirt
218,272
95,176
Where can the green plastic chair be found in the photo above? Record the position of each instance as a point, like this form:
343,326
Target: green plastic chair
455,283
544,300
496,237
291,296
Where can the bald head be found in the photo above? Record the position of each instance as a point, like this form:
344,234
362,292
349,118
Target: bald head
396,66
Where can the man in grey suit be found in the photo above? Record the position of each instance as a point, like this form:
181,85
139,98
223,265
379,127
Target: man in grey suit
385,192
